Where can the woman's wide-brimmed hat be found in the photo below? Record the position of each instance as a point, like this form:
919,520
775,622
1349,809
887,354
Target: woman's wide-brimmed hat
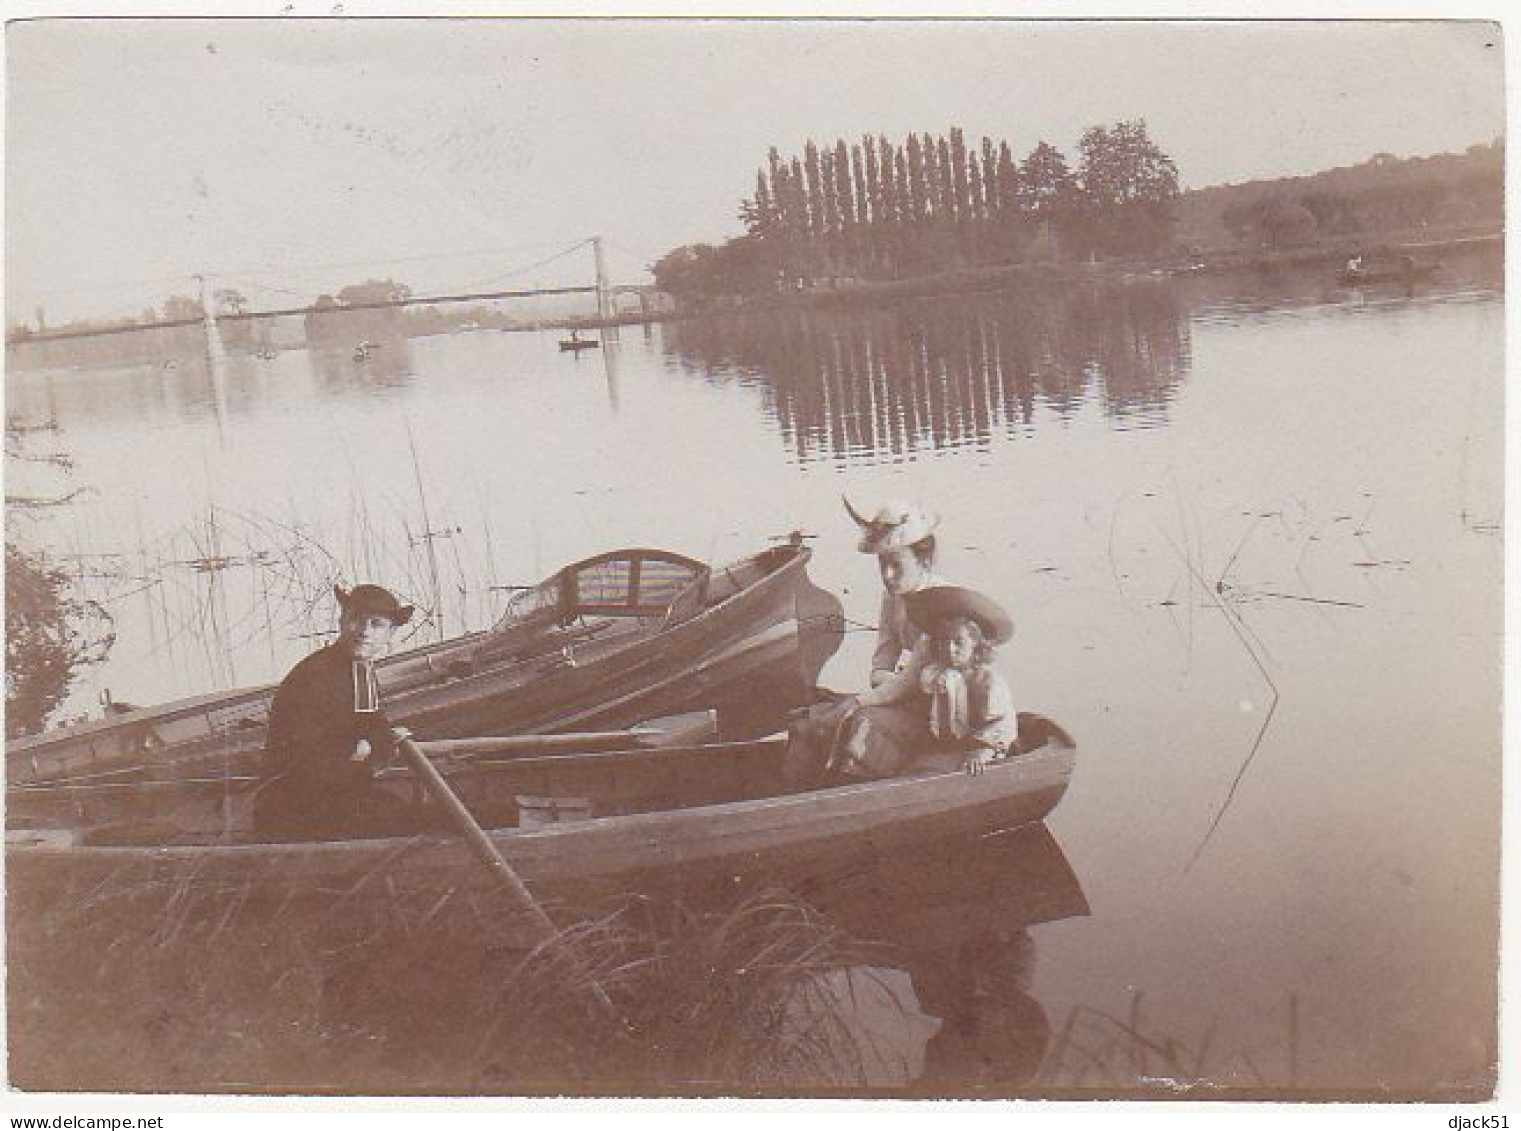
896,526
928,607
372,599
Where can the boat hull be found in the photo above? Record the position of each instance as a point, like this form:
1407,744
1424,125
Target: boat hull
797,834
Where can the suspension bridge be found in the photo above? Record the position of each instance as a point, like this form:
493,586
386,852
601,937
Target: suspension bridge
606,292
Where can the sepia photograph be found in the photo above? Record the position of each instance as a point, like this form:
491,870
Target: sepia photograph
754,559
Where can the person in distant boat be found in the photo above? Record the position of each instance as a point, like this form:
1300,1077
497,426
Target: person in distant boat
328,733
948,701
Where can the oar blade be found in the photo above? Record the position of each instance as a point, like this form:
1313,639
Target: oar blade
689,729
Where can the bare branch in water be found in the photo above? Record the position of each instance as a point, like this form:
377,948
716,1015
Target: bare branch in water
1233,619
1309,600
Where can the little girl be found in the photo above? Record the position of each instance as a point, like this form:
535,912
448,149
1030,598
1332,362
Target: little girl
946,700
971,709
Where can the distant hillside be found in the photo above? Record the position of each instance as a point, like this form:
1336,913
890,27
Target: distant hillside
1384,198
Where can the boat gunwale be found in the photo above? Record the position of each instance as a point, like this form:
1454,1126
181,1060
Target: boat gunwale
1048,757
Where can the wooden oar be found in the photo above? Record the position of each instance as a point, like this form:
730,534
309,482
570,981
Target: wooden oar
672,730
486,852
691,728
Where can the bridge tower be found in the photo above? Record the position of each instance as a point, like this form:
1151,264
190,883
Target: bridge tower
604,288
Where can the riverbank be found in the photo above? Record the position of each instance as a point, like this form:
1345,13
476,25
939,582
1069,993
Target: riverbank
1332,255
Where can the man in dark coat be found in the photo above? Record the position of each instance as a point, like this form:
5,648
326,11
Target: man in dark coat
328,733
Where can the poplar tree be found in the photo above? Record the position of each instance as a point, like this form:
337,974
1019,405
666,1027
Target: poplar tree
798,196
989,178
915,198
815,189
945,181
960,185
862,197
1008,182
829,194
977,202
894,179
844,185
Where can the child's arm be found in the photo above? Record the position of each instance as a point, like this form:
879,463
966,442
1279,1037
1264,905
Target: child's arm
999,729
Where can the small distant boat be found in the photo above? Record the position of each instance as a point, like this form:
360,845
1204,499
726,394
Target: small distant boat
1400,273
266,355
575,343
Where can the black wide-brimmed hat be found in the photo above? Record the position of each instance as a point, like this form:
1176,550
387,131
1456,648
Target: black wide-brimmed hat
372,599
926,607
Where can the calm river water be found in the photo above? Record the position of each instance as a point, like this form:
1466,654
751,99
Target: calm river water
1252,548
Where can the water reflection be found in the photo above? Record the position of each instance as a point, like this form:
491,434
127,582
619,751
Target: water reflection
164,347
362,365
167,389
611,346
958,918
947,372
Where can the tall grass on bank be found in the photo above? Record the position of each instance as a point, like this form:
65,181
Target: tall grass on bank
177,984
738,998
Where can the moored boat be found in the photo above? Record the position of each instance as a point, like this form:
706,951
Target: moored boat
718,808
603,643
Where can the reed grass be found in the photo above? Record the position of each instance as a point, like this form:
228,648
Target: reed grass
232,596
180,984
737,999
1099,1052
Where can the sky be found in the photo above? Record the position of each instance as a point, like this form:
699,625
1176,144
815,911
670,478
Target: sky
289,156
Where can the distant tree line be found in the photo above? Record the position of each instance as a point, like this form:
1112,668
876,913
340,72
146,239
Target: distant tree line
368,320
1383,198
176,329
878,209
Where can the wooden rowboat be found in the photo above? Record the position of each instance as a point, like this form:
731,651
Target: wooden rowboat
708,809
603,643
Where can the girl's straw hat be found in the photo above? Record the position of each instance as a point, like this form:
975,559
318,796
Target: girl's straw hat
927,607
